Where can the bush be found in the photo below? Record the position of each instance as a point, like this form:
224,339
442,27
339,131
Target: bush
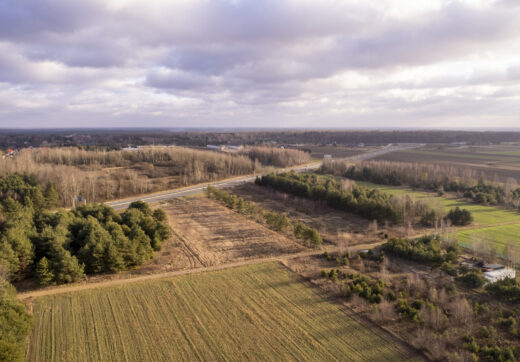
505,289
371,291
449,268
426,249
473,279
460,217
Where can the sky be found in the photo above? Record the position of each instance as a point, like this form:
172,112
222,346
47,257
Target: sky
260,63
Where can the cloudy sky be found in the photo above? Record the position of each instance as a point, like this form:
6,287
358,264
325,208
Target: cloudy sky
260,63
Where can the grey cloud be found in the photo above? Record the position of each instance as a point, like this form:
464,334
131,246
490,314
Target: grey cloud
176,79
245,57
24,19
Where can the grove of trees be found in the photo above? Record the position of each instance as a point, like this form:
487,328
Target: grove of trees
279,157
438,178
99,175
369,203
427,249
61,247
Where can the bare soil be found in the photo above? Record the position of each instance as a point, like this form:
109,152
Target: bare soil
210,234
336,227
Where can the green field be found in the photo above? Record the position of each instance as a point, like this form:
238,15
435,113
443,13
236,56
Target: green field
483,215
258,312
500,235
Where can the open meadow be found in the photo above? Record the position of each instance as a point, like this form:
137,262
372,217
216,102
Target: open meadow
257,312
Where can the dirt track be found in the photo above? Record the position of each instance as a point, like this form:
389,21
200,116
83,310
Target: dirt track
110,283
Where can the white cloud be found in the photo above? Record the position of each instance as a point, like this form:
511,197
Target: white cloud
259,63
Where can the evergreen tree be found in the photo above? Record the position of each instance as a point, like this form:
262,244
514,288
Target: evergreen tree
52,198
43,272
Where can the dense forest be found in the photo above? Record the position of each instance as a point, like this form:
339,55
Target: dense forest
123,137
61,247
437,178
369,203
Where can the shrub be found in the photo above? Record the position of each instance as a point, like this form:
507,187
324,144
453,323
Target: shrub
473,279
460,217
506,289
449,268
426,249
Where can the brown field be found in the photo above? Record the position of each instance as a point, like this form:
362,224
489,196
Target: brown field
335,226
259,312
207,233
496,163
339,151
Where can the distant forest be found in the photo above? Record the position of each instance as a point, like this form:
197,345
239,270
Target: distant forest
118,138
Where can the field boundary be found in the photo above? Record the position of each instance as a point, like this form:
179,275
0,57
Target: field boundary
133,279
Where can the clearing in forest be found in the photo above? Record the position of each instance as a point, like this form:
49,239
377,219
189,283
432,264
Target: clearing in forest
257,312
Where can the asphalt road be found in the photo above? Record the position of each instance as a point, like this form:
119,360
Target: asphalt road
191,190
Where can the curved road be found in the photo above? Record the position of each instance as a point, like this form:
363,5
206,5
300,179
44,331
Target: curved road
191,190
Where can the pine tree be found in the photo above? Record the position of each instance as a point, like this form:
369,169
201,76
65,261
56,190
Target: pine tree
44,273
52,198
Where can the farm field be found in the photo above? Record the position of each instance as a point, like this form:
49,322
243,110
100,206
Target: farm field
482,214
211,234
248,313
494,225
498,162
332,224
499,235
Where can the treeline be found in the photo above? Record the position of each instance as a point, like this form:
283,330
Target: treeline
278,157
279,222
61,247
15,324
123,138
368,203
427,249
99,175
438,178
104,175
